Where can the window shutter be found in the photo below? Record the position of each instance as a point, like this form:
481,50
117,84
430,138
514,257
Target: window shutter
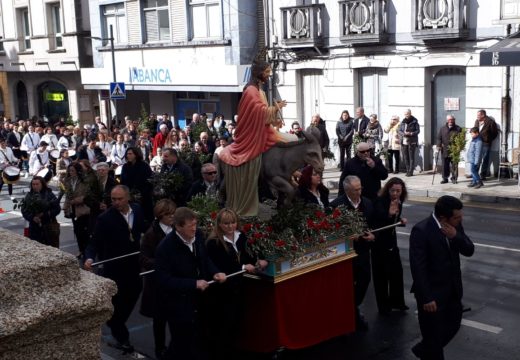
152,26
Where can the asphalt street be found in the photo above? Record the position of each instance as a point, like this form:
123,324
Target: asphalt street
491,290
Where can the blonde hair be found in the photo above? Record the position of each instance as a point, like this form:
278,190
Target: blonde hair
224,215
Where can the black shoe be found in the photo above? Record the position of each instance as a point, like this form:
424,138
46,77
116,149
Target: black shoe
453,181
402,308
126,347
396,172
361,323
160,354
479,185
444,181
483,178
471,184
418,351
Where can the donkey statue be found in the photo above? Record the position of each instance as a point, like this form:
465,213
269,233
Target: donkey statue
283,159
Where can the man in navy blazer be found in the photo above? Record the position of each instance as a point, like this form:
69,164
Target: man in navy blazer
435,245
118,232
182,272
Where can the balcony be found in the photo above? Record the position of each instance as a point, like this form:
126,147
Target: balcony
440,19
302,26
362,22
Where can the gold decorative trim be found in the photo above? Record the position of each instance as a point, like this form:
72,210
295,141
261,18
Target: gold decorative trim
307,268
311,267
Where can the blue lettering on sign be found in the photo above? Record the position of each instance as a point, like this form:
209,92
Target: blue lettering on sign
150,76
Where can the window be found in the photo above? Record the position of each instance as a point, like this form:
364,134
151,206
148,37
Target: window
55,34
156,20
509,9
206,19
24,29
115,15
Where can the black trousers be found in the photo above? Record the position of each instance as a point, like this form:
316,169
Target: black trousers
387,272
187,341
409,157
81,226
344,150
449,168
124,301
9,186
438,329
393,154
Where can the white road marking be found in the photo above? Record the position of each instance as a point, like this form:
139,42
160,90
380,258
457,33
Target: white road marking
478,325
482,326
497,247
479,244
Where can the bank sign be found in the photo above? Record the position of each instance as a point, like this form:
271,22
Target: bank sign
150,76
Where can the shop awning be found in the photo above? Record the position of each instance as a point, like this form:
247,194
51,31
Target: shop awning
504,53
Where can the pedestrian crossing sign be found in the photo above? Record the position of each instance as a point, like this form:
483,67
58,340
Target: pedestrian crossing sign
117,91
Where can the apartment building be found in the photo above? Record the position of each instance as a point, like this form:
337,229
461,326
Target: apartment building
174,56
43,46
389,56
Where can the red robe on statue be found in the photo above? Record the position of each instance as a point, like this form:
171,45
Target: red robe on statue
254,133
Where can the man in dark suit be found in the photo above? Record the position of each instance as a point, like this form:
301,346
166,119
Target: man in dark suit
182,272
369,169
172,164
91,152
208,185
435,245
118,232
361,121
352,199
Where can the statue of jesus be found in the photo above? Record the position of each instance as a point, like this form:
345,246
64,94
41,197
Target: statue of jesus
255,133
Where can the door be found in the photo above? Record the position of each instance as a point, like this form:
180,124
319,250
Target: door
449,97
373,94
311,95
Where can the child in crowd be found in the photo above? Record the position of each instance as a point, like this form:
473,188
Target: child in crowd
473,156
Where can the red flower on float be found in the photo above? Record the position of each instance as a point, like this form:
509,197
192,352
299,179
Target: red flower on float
247,227
279,243
213,215
319,214
336,213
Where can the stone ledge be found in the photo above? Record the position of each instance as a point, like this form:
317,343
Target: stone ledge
50,309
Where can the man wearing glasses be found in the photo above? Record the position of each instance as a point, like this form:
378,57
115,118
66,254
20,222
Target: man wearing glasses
208,185
369,169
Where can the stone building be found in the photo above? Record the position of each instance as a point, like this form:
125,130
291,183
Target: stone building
174,56
43,46
388,56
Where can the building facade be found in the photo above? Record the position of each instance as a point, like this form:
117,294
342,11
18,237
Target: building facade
174,56
43,46
389,56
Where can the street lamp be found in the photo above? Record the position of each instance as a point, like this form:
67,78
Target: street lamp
112,102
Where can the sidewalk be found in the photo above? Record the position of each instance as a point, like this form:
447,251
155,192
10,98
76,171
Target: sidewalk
505,192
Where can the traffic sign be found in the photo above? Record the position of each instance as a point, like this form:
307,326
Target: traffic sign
117,91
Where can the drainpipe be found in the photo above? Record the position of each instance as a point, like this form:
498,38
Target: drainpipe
268,6
506,106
